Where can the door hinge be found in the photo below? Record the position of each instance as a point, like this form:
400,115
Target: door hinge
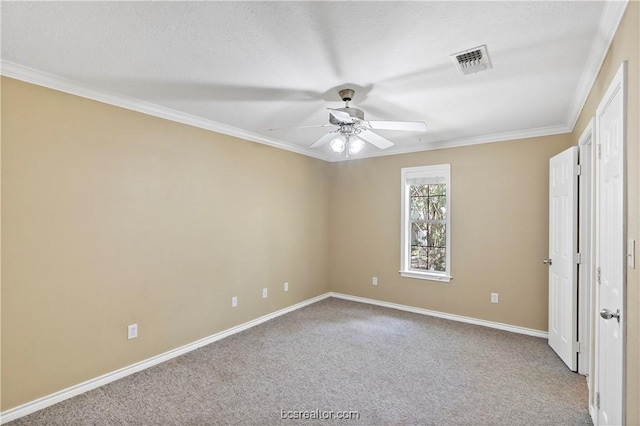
599,151
578,258
598,274
576,347
598,400
578,170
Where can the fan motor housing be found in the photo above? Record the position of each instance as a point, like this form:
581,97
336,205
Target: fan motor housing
347,94
353,112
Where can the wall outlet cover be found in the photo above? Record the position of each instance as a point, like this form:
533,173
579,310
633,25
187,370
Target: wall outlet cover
132,331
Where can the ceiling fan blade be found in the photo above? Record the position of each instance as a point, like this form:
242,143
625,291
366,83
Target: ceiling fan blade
409,126
323,140
302,127
182,90
375,139
341,116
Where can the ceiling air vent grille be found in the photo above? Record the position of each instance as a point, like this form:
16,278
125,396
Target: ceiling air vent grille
472,60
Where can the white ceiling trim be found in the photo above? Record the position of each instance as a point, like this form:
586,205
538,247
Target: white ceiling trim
456,143
611,17
30,75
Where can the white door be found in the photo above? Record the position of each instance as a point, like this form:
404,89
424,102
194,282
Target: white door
610,256
563,242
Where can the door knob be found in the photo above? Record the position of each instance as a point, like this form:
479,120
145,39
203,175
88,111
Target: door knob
607,314
547,262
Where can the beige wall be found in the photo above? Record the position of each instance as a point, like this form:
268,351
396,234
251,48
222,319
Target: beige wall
499,230
626,47
112,217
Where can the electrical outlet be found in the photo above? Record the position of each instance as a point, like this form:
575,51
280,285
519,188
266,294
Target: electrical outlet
286,286
234,302
264,293
374,280
494,297
132,331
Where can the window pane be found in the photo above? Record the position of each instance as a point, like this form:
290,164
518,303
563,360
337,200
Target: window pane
427,258
437,207
419,258
437,235
419,208
419,234
437,259
419,190
437,189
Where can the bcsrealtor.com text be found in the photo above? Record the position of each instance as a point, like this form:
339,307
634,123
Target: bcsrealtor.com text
318,415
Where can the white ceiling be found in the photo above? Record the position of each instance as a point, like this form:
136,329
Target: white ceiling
245,67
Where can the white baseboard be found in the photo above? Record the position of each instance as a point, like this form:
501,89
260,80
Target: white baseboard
453,317
78,389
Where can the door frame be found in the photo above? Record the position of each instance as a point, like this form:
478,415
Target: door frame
617,84
586,242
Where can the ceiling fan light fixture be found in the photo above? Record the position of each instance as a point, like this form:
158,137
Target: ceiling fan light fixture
337,144
355,145
354,132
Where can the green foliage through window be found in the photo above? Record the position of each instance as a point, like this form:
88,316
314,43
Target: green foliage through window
428,216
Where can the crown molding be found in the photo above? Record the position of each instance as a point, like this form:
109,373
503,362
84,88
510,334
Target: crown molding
51,81
476,140
609,22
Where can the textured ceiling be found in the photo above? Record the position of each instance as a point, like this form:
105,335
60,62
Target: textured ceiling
245,67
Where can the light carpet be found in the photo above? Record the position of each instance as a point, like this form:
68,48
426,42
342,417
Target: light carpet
389,366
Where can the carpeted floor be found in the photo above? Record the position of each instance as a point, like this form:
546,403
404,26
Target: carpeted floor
390,367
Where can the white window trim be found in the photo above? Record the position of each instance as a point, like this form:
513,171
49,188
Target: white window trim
405,255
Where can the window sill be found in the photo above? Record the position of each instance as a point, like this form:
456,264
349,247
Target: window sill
426,276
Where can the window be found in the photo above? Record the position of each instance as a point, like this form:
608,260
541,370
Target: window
426,219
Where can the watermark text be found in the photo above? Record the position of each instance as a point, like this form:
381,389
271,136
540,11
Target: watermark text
318,415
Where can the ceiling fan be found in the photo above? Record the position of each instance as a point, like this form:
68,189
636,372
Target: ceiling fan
353,130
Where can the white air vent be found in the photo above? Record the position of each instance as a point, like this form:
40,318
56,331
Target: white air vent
472,60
